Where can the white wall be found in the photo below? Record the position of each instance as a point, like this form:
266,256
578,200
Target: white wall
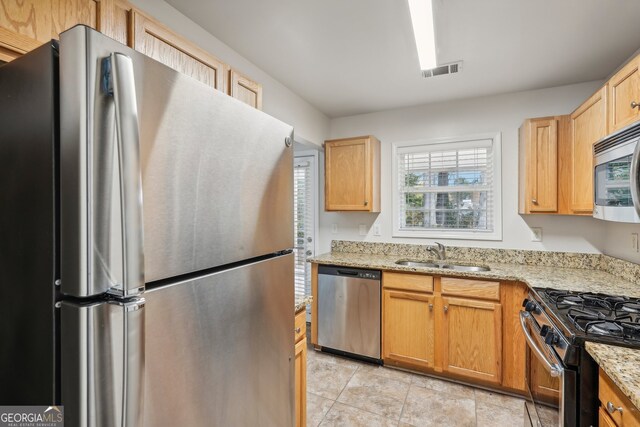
278,101
500,113
618,241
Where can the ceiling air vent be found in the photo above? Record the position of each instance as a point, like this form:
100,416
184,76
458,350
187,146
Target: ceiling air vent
454,67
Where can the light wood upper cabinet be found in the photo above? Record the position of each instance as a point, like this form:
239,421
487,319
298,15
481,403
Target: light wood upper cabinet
27,24
472,339
244,89
155,40
408,328
538,166
352,174
588,124
624,96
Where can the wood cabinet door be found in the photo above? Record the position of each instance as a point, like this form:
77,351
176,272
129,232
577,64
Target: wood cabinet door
408,328
27,24
154,40
623,90
301,383
348,175
589,124
543,386
542,168
472,338
245,89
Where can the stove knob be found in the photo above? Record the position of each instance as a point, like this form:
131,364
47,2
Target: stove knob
529,305
551,338
544,330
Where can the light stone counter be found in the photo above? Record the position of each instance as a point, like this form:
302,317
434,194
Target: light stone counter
302,302
562,278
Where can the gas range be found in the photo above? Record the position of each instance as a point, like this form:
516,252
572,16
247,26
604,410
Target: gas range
587,316
556,324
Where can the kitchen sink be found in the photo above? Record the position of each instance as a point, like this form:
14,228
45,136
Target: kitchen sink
443,265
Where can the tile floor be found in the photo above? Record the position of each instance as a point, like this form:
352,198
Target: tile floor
344,392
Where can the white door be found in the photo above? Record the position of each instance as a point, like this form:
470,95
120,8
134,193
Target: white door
304,221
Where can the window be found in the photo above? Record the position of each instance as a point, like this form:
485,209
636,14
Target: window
448,188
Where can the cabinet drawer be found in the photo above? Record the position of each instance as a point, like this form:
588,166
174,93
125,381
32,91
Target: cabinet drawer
471,288
609,393
300,327
408,282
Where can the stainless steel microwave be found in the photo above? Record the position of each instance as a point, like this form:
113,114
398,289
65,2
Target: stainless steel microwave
617,176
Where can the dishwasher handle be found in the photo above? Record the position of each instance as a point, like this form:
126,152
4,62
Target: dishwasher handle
347,273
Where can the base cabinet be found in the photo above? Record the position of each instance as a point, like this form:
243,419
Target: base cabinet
472,335
615,408
408,324
300,369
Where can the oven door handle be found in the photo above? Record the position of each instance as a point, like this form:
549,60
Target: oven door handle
635,178
555,370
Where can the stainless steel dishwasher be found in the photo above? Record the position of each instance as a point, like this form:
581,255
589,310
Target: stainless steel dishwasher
349,311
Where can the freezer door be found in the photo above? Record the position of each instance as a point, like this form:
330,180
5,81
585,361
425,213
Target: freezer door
102,363
220,349
216,174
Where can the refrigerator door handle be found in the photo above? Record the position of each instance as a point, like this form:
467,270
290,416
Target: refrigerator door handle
133,363
122,85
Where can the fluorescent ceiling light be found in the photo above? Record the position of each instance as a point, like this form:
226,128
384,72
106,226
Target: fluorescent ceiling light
424,32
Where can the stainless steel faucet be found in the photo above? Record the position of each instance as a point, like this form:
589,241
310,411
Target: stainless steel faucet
439,251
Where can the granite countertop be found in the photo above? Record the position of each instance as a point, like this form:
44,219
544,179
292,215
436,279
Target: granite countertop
302,302
621,364
536,276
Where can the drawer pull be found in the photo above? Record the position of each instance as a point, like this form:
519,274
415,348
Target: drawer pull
634,104
298,330
611,408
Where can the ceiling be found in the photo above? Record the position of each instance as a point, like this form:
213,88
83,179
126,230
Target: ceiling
355,56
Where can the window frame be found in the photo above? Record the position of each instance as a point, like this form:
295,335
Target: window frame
495,234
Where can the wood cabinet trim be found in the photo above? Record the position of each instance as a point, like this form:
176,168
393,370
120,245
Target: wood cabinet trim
300,400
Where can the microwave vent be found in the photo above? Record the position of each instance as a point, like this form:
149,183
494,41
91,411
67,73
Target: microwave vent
620,137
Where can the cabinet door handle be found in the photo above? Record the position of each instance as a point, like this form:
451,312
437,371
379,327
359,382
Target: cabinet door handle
534,201
366,202
611,408
446,308
634,104
298,330
430,307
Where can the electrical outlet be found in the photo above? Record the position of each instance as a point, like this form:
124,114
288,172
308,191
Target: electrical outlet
634,242
536,234
334,228
362,229
376,229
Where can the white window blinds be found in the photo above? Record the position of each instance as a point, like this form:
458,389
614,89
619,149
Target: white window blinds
303,225
446,186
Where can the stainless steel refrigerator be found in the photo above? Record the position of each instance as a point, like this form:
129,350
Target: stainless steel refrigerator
146,229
